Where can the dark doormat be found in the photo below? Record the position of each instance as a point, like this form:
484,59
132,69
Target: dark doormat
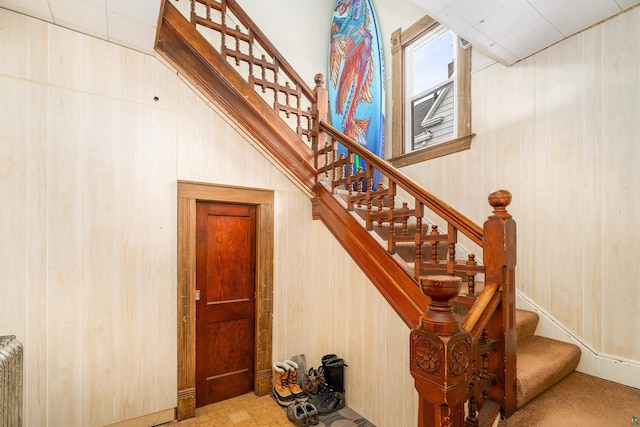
345,417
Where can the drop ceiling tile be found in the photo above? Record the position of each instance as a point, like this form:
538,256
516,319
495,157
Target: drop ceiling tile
480,45
475,36
131,33
143,11
474,11
531,38
508,20
571,16
36,8
626,4
81,16
500,54
452,20
432,7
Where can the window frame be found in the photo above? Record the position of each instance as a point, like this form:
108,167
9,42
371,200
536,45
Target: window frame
400,40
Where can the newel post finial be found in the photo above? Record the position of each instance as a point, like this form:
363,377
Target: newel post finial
439,317
499,200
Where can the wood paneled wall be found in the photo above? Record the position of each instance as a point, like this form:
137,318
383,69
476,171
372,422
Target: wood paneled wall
88,240
89,164
560,131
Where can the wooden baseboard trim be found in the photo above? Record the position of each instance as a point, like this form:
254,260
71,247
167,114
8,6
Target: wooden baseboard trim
157,418
186,404
263,382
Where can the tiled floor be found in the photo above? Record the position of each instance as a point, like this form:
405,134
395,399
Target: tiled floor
246,410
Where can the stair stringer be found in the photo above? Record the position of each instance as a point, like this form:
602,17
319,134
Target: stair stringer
592,362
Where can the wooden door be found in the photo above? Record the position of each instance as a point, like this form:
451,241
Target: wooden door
225,313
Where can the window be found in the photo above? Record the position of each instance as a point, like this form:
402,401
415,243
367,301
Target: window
431,93
429,87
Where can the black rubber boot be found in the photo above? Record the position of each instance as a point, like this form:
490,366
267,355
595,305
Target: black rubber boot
331,398
324,387
328,358
334,374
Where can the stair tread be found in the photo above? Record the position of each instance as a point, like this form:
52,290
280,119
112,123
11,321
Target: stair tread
542,362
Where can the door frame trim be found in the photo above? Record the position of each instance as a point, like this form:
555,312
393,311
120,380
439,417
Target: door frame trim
188,194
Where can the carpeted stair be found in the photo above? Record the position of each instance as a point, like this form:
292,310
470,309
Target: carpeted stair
541,362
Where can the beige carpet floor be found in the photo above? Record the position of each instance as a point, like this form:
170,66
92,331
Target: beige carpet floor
580,400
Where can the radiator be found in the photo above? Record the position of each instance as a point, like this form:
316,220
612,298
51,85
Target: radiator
10,382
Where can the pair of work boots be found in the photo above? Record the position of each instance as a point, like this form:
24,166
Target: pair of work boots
285,383
329,397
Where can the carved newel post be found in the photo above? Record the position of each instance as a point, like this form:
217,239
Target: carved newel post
441,356
499,252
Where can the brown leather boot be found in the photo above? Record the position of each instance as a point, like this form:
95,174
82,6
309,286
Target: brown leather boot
315,380
281,390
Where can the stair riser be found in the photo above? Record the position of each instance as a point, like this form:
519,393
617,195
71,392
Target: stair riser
408,251
543,362
526,324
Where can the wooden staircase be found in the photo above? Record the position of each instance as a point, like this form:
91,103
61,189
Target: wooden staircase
464,331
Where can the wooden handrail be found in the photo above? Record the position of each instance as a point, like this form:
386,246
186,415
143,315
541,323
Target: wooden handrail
439,207
480,312
338,171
